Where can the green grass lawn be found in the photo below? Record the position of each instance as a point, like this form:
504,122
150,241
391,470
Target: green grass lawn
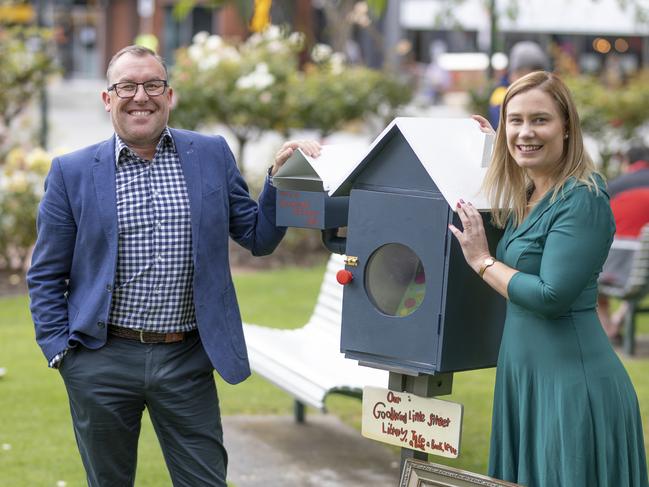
37,446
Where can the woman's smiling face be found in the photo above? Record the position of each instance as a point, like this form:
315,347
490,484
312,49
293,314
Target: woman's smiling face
535,131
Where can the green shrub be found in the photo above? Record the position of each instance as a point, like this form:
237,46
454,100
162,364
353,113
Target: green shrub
261,85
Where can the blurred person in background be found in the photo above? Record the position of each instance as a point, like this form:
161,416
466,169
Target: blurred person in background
629,194
524,57
437,79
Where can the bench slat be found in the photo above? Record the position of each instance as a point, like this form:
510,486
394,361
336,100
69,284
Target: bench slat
636,286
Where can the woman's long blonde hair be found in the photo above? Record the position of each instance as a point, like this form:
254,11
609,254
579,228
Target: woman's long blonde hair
506,184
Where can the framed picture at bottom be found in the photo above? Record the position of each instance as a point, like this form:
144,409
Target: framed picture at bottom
417,473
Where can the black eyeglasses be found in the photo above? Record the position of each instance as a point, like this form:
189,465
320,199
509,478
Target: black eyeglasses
128,89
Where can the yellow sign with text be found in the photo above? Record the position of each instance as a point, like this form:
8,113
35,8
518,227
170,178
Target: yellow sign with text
403,419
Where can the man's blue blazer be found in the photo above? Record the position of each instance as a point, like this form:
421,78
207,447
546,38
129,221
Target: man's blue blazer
73,267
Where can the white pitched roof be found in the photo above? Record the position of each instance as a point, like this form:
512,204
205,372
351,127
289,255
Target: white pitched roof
306,173
454,152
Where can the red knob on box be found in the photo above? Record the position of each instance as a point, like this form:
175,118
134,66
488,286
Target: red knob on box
343,277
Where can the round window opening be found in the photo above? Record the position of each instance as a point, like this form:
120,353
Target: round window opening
395,280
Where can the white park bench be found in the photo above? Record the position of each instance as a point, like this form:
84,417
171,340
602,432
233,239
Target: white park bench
307,362
636,288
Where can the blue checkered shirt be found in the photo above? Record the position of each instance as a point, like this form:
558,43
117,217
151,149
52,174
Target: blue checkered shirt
153,283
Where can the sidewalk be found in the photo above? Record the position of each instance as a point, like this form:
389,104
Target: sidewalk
76,114
274,451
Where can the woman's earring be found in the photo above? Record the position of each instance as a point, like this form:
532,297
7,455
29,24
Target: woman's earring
565,136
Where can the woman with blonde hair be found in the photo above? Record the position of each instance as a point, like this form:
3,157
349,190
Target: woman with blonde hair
565,411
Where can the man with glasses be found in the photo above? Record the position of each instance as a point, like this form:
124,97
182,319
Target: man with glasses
130,286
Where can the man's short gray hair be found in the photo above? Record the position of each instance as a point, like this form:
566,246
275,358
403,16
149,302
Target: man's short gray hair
139,51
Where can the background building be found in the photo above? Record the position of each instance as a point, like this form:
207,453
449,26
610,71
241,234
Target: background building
593,34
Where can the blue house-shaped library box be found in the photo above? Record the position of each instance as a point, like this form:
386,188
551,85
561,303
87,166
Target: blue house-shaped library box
413,305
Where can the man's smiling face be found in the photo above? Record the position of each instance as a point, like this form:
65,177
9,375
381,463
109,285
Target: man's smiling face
140,120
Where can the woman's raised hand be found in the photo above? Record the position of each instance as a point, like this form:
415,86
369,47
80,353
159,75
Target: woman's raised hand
472,238
485,126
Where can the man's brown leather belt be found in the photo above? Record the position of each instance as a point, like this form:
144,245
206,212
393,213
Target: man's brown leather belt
148,336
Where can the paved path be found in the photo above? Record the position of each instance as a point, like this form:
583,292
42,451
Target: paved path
274,451
76,114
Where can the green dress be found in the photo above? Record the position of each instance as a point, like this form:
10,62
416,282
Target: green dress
565,411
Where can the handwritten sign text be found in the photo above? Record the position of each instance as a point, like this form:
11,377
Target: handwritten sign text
301,206
409,421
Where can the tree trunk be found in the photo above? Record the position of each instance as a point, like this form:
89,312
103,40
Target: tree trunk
340,29
230,24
